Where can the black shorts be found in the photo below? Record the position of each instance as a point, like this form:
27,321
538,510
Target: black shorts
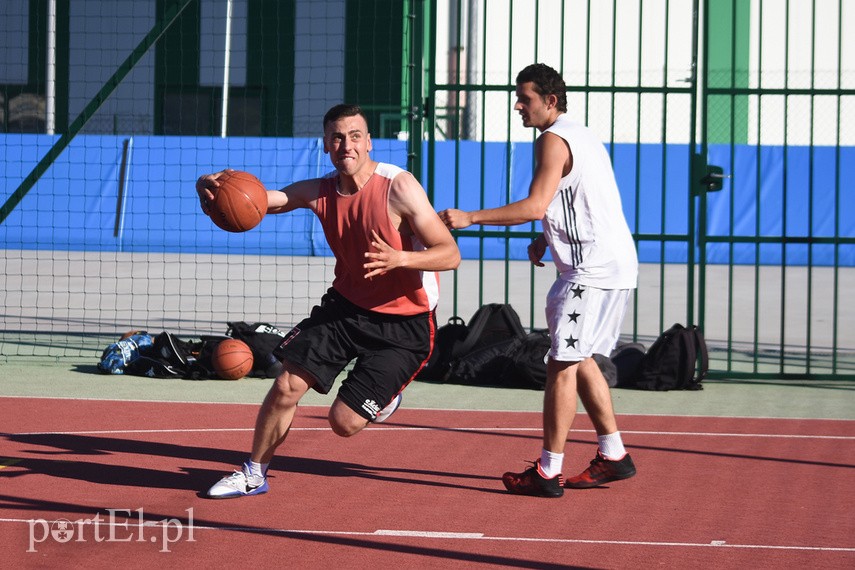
389,351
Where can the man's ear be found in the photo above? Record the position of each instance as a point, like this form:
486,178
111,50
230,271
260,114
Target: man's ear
370,144
552,100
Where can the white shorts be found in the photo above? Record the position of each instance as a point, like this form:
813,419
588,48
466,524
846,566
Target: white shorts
584,320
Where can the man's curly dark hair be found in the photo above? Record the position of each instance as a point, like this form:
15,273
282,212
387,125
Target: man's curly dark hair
546,81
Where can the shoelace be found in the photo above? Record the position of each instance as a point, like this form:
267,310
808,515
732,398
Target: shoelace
536,470
237,474
598,464
519,476
239,477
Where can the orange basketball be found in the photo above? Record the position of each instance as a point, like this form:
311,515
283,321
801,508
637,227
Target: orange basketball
240,202
232,359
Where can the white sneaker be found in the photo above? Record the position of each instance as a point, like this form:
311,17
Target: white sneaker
384,414
239,484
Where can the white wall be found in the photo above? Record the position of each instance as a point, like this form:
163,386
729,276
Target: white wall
607,44
510,41
318,63
798,45
103,34
212,43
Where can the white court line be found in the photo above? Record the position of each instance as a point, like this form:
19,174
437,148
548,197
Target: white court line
433,535
715,543
451,429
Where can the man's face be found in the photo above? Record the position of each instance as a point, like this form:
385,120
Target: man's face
531,106
348,143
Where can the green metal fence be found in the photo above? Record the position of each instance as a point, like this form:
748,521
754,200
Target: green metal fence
779,76
731,124
690,84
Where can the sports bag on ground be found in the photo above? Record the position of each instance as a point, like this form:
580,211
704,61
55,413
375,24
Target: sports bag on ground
484,366
626,357
168,357
446,347
262,339
528,362
677,360
490,324
161,356
118,355
492,336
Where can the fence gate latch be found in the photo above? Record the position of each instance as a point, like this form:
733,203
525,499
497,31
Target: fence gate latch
714,179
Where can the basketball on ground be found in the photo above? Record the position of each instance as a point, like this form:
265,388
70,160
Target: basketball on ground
232,359
240,202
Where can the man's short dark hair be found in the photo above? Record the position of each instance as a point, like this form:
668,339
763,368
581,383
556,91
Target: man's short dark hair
343,110
546,81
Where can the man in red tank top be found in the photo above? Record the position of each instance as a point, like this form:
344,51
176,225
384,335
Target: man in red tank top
388,243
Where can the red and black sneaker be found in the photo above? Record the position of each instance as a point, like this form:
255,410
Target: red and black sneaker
532,482
601,471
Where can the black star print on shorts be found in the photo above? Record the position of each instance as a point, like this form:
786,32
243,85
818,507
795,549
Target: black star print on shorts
574,316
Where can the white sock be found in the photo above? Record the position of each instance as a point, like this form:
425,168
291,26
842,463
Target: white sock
551,463
259,469
611,446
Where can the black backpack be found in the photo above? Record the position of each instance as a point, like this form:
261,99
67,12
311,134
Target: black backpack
485,366
168,356
677,360
490,324
262,339
446,347
528,363
626,357
173,357
455,357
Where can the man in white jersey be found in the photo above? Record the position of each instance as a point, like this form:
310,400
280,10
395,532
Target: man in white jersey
574,193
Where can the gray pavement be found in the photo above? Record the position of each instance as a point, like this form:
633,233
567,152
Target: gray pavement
62,308
109,293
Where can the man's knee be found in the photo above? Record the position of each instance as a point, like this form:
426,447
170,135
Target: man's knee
344,421
287,389
589,373
560,372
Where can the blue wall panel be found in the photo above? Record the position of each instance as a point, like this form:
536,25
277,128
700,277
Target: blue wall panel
814,200
75,204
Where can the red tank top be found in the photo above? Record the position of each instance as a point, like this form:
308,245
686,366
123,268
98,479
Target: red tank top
347,222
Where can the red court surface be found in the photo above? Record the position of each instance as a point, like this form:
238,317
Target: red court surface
105,484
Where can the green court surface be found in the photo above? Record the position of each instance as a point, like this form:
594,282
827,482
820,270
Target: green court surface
735,398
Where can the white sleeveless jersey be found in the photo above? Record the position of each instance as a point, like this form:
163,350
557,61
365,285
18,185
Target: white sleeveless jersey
584,224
